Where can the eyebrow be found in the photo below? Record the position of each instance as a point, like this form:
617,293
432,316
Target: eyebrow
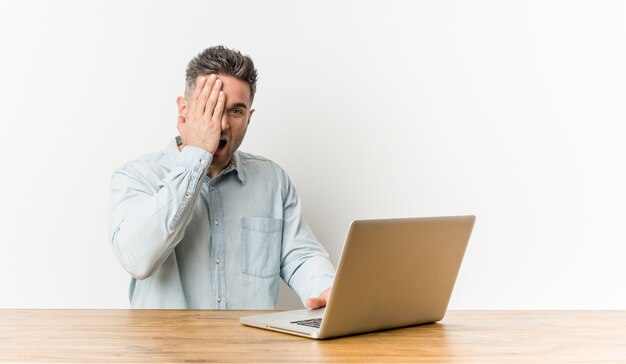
238,104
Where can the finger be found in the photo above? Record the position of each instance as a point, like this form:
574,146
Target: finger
316,302
198,99
219,109
200,102
319,301
210,104
206,87
199,85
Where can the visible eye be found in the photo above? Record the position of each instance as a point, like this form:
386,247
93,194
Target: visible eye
236,111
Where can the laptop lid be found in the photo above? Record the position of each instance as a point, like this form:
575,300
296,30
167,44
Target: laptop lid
394,273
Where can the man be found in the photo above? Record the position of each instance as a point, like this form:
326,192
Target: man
203,225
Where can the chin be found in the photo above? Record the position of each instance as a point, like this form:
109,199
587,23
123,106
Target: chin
222,158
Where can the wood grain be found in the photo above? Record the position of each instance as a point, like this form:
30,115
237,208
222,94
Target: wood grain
158,336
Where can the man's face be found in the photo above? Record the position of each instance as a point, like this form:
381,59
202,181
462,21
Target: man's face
235,119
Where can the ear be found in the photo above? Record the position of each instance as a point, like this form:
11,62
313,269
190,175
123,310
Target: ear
250,115
182,106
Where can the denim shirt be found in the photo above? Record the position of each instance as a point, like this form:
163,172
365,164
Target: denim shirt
190,241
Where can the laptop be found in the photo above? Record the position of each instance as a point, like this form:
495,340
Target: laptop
392,273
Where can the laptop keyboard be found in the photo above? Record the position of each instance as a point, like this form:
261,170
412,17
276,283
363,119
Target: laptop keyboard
311,322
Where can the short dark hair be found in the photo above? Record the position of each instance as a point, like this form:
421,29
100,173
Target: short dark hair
221,60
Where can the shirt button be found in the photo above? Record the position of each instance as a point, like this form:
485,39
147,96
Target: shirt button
219,299
217,260
216,222
212,187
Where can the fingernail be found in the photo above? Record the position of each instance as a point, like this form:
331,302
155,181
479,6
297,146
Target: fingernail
213,76
218,81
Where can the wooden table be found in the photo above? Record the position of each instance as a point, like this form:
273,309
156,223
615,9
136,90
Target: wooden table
216,336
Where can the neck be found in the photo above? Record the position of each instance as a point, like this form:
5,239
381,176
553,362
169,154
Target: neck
215,170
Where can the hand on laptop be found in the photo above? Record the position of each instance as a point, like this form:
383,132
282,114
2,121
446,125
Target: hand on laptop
319,301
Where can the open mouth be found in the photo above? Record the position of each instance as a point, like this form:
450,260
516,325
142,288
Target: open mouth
222,144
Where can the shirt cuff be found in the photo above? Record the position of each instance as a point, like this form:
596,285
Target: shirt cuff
319,275
194,158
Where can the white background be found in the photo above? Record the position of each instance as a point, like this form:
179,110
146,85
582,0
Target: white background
510,110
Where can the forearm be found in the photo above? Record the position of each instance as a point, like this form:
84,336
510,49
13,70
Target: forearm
147,222
306,266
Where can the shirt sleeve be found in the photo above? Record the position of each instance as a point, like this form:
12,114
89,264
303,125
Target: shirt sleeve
148,215
305,264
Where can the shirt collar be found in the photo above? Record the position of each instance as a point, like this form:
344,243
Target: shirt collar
172,153
235,162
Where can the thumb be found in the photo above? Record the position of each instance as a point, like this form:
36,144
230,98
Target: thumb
316,302
319,301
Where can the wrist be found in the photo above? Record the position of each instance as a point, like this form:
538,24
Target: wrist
206,148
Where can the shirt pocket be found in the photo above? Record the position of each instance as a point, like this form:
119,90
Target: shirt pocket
261,240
